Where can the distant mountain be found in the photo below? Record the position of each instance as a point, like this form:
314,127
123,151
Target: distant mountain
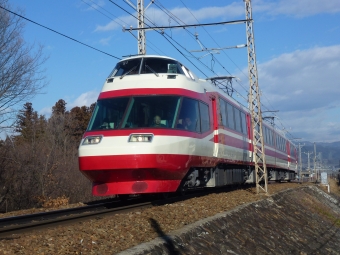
327,153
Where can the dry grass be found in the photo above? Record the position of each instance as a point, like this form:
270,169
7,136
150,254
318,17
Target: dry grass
334,186
47,202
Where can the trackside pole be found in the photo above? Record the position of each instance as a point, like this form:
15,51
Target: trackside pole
259,156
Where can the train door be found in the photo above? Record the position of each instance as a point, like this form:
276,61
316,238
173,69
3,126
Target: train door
275,144
288,154
215,126
250,138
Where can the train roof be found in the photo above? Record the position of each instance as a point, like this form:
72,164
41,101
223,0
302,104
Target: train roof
146,56
203,84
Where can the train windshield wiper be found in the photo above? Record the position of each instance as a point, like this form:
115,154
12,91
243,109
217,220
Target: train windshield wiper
148,67
133,68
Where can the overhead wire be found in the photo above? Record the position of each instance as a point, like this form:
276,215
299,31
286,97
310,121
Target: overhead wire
228,58
160,34
174,17
96,9
68,37
99,7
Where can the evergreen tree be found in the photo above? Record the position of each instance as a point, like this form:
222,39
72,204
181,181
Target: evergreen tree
29,125
59,107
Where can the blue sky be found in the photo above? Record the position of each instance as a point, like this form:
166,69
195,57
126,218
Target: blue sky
297,47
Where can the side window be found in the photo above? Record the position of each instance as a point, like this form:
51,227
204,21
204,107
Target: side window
205,120
237,120
223,116
264,130
189,117
230,116
243,122
271,137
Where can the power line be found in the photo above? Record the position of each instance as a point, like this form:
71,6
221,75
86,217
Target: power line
170,38
171,15
98,6
110,18
165,35
58,33
162,35
192,25
229,59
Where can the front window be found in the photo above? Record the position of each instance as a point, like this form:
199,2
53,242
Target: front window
146,66
160,65
126,67
174,112
135,112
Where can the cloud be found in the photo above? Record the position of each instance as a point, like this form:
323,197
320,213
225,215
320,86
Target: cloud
94,5
86,98
117,23
235,10
155,16
47,111
105,41
304,86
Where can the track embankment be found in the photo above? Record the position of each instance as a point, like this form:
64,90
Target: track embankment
303,220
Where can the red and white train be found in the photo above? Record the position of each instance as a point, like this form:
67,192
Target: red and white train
158,128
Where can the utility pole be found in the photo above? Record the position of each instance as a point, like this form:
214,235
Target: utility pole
141,32
255,107
308,155
315,172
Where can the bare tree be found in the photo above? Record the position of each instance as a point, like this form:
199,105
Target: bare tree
21,73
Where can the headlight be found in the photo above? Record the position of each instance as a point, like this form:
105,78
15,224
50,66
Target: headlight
92,140
140,138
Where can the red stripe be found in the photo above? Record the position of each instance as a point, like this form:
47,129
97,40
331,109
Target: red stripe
233,142
151,91
155,131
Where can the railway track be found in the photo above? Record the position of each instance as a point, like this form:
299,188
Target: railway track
29,222
24,223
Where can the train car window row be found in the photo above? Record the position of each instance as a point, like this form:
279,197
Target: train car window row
278,142
151,111
268,136
231,117
281,143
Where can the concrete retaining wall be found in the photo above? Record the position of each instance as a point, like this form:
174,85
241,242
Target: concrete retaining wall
299,221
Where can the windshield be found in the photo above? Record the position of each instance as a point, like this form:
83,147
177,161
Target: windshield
160,65
126,67
135,112
149,65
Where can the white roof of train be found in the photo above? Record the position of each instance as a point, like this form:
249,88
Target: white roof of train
138,81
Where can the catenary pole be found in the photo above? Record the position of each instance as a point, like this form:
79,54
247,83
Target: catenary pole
141,32
259,157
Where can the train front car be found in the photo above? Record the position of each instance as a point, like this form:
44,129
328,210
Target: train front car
147,128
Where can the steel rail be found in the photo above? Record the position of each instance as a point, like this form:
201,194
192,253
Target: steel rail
18,224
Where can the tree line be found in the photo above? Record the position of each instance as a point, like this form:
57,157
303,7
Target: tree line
40,162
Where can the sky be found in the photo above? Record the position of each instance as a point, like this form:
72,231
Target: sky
297,52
